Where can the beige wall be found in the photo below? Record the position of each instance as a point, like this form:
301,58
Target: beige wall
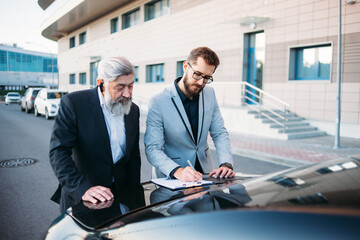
216,24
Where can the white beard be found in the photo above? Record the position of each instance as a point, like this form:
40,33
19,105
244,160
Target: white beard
117,107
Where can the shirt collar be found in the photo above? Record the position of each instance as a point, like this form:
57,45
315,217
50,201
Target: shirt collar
183,97
101,98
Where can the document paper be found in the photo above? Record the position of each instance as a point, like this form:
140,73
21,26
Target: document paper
177,184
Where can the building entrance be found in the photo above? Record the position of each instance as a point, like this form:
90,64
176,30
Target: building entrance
254,60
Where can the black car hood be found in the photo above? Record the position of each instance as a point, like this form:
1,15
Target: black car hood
332,187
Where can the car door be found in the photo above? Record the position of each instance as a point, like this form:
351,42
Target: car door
41,102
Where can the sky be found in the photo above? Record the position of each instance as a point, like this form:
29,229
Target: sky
20,23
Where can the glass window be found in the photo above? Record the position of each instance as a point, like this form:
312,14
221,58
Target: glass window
310,62
72,42
114,25
72,79
131,18
54,95
82,38
49,65
82,78
3,60
136,76
93,72
179,68
156,9
154,73
19,62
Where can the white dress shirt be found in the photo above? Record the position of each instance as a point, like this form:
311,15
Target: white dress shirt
116,128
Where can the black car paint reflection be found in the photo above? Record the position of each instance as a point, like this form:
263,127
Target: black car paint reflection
93,216
320,201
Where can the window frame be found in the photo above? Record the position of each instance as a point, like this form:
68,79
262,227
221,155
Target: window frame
293,62
114,25
82,38
72,42
180,68
80,78
149,69
70,78
129,13
136,74
148,16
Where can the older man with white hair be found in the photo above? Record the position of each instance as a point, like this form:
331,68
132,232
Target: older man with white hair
94,146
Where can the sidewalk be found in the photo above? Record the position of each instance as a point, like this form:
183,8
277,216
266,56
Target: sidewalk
293,152
290,153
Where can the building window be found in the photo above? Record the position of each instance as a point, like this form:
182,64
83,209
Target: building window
72,79
156,9
136,75
154,73
93,73
179,68
82,38
82,78
131,18
49,65
21,62
3,60
310,62
114,25
72,42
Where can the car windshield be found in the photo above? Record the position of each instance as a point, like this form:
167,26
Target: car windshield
13,95
35,92
53,95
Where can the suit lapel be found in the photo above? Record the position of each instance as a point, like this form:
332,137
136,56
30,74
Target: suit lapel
129,131
201,116
99,119
175,98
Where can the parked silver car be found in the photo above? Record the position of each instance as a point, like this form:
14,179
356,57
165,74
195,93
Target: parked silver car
27,101
12,97
47,102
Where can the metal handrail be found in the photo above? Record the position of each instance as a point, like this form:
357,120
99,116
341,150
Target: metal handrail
262,102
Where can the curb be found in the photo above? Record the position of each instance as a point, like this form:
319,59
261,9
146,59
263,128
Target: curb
260,156
289,162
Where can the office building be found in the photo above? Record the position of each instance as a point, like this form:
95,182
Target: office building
286,48
20,68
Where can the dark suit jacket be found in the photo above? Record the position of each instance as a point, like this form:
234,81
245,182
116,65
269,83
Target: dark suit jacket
80,151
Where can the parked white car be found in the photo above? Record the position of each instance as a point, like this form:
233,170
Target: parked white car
12,97
47,102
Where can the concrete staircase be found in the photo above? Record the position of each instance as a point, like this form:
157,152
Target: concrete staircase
295,126
246,121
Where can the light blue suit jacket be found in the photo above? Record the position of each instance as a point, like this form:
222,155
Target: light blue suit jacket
169,141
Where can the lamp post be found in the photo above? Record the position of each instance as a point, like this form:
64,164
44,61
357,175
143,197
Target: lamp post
52,60
337,132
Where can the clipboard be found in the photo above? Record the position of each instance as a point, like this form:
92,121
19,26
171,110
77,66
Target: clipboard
175,184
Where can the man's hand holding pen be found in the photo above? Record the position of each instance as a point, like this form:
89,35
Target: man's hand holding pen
188,174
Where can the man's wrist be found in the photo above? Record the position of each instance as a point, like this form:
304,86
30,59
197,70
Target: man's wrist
228,165
171,175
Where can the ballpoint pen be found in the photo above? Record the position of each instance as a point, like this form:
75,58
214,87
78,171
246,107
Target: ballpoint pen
190,164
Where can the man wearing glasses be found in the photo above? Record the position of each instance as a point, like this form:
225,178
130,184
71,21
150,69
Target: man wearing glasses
179,120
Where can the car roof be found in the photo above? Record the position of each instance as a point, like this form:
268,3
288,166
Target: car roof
54,90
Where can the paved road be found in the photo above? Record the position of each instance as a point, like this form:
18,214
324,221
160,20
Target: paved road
25,210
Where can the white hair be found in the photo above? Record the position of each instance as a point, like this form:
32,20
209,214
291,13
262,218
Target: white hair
111,68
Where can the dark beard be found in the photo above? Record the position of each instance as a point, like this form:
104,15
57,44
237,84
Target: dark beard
188,90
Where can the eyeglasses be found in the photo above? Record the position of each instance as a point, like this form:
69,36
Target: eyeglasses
198,76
